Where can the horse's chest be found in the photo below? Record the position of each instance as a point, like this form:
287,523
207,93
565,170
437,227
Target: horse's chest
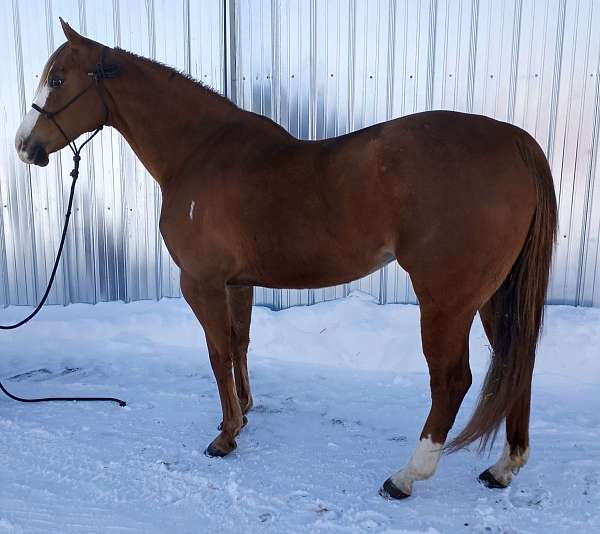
184,227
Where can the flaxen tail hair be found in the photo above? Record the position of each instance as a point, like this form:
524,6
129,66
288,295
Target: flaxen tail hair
518,312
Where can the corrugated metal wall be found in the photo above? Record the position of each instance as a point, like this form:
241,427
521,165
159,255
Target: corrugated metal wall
320,68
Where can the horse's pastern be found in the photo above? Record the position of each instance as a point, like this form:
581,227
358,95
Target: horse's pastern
244,423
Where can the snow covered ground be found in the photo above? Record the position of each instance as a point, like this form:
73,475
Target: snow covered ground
341,393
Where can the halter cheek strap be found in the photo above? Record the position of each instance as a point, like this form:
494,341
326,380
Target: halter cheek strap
102,72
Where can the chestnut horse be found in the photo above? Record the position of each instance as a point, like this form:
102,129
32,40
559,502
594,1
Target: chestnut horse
464,203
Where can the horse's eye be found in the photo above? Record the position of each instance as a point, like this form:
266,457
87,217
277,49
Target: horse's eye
55,82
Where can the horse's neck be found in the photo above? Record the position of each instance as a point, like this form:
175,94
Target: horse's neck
163,116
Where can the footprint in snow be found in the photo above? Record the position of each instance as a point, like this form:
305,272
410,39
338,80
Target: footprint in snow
350,426
535,498
589,482
264,517
370,520
326,511
35,373
261,408
43,374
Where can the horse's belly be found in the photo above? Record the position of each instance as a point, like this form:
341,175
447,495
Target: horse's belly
302,273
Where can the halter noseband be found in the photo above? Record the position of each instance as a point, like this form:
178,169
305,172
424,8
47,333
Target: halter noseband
102,72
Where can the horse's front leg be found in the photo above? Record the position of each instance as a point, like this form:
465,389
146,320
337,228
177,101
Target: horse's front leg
209,303
240,305
240,310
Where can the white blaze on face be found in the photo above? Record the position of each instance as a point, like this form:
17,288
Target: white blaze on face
192,205
422,465
30,120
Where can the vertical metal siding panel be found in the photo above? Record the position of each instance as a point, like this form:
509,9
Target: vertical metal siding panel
21,209
11,109
454,70
590,279
107,195
495,49
533,93
571,149
10,115
43,181
138,185
588,163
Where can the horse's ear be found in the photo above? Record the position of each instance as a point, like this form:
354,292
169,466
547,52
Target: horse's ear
72,36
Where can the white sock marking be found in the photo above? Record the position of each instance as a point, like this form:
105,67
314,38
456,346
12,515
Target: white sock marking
422,465
508,465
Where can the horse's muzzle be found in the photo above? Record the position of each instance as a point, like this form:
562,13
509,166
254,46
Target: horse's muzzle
32,153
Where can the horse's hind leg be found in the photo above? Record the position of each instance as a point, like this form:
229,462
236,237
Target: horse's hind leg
516,450
445,338
240,305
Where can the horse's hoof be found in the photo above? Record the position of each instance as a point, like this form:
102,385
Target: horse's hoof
217,451
390,491
244,423
489,481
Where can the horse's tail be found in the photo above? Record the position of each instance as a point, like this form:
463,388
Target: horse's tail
518,307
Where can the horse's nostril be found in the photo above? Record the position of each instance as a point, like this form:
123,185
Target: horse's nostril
38,155
37,152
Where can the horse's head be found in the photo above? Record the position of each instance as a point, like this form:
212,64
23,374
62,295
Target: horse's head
62,101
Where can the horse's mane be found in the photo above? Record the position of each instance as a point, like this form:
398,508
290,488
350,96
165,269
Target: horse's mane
176,73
